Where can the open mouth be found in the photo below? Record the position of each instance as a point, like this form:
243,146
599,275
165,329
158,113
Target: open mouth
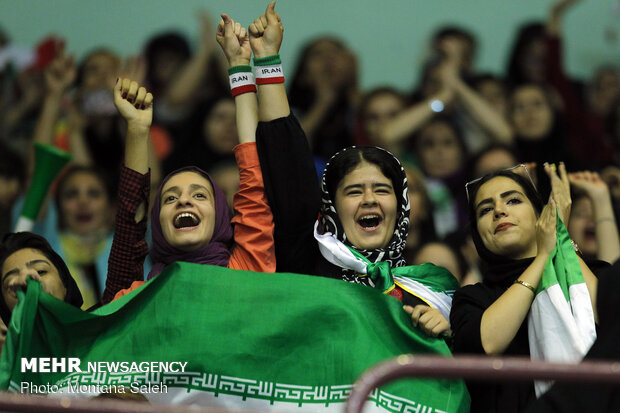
369,222
186,220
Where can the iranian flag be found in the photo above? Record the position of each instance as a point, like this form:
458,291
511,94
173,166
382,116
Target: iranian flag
284,342
561,321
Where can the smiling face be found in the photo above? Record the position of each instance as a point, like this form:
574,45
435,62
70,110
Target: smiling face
29,262
84,204
187,215
367,206
506,219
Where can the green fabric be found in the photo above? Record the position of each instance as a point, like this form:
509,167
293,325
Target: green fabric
239,69
267,61
562,266
285,329
437,279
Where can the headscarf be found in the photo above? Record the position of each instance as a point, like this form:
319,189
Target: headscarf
13,242
329,221
496,269
216,252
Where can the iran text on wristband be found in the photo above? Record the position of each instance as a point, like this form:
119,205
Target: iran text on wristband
268,70
241,80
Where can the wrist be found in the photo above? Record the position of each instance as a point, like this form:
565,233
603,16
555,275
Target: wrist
241,80
266,52
238,61
268,70
136,128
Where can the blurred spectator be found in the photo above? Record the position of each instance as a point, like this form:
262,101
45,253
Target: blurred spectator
324,94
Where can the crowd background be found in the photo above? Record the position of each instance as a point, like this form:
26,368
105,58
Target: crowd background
454,89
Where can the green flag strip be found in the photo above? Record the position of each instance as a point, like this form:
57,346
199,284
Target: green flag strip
561,320
263,341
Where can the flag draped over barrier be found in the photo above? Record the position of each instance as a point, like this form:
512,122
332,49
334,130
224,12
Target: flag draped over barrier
262,341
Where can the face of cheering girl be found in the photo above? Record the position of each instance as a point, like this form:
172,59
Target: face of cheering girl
29,263
187,215
367,206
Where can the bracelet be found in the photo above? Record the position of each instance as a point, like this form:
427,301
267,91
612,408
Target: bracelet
268,70
241,80
576,248
526,285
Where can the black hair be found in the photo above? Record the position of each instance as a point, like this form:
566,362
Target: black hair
528,189
455,31
76,169
300,94
15,241
378,91
347,160
12,165
495,146
82,66
527,34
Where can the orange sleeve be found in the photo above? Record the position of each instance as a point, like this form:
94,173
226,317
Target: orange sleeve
134,285
253,221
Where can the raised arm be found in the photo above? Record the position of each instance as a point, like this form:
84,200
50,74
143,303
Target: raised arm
501,321
286,161
129,248
253,221
182,89
606,229
265,38
59,76
493,121
235,42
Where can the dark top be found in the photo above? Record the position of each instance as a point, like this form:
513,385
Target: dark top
468,305
294,196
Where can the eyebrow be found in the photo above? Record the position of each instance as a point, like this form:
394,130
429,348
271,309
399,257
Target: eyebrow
375,185
502,195
192,186
28,264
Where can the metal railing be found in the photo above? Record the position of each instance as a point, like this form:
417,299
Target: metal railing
478,368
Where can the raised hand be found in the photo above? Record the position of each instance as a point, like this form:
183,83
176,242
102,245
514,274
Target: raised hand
134,103
560,189
546,229
266,33
591,183
61,73
234,41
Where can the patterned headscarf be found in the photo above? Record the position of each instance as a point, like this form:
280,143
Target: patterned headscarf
216,252
329,221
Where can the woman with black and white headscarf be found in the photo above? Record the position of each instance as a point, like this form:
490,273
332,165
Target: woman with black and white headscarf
362,207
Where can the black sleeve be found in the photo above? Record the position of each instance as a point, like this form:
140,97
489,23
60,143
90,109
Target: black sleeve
468,306
292,191
597,397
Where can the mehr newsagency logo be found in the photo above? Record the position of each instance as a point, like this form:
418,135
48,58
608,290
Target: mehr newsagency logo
74,365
